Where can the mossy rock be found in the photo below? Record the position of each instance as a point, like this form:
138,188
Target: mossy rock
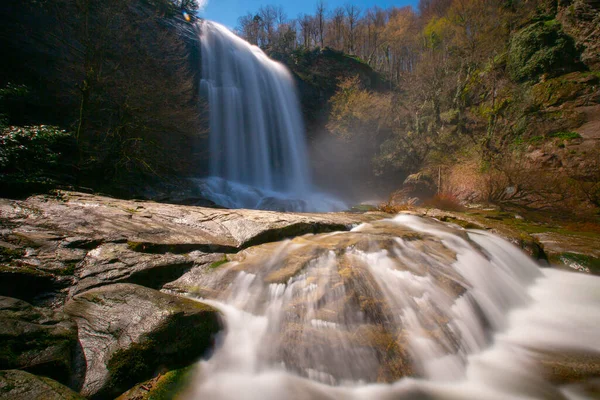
165,386
129,332
556,91
21,385
580,262
542,48
37,340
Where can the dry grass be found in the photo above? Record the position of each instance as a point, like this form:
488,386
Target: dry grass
445,201
392,208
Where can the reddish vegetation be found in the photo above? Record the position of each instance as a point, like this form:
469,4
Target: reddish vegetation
445,201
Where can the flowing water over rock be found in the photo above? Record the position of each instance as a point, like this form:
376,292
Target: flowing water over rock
257,136
401,308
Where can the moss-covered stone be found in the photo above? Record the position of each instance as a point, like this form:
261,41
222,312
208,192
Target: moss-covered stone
21,385
556,91
129,332
217,264
36,340
165,386
579,262
542,48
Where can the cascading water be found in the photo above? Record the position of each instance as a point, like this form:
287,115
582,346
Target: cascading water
259,157
406,308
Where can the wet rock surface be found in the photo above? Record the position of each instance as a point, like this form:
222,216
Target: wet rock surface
334,299
165,226
107,259
128,332
55,246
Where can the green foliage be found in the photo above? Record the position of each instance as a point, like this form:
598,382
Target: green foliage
23,149
541,48
34,157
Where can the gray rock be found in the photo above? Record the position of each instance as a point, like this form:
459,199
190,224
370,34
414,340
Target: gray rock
128,332
37,340
21,385
117,263
172,228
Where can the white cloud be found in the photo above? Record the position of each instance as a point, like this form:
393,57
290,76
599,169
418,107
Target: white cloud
202,4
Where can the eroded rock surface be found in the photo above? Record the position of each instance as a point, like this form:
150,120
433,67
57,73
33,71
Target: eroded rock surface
55,246
128,331
165,226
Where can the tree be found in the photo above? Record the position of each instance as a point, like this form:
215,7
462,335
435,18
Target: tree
336,32
352,18
320,22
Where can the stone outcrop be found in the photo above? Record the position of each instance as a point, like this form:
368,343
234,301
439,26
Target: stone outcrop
54,246
37,340
128,332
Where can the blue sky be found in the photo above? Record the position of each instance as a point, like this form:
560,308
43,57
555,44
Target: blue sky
227,12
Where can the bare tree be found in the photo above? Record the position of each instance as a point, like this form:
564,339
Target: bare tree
306,29
336,33
320,22
352,19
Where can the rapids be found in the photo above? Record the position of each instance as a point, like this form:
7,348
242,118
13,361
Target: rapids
405,308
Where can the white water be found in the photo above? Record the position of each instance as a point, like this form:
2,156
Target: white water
237,195
259,156
480,337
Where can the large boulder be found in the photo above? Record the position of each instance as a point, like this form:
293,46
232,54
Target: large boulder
129,332
37,340
161,228
21,385
122,263
542,48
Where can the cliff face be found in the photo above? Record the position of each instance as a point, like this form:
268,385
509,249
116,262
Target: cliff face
317,73
581,20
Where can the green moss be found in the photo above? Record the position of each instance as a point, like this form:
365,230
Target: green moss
581,262
217,264
9,254
541,48
172,383
136,246
181,341
460,222
536,140
23,271
566,135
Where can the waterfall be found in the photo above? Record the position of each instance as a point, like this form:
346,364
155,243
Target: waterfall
257,138
405,308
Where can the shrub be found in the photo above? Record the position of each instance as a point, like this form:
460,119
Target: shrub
34,156
445,201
